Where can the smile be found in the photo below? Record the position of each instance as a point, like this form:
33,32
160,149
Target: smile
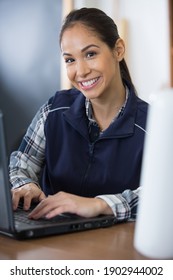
89,84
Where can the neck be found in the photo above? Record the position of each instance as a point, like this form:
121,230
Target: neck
106,109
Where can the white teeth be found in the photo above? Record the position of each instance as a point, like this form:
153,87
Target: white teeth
89,83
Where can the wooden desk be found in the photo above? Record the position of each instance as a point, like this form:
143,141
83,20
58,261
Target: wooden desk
114,243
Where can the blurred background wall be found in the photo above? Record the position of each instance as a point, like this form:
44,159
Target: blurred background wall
29,60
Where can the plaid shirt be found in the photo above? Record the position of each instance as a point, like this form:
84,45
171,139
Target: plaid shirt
26,163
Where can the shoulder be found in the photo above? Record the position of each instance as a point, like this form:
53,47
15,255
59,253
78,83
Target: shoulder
141,113
142,106
136,103
63,98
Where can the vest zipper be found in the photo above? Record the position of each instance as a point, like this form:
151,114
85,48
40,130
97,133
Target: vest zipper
91,150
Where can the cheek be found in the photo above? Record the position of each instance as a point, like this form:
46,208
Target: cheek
70,73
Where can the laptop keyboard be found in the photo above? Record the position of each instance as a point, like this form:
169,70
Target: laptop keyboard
22,217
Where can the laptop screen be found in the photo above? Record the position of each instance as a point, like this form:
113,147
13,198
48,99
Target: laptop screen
6,220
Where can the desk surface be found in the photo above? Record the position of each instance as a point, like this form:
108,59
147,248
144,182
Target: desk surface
114,243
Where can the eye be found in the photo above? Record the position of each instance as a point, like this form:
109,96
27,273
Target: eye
90,54
69,60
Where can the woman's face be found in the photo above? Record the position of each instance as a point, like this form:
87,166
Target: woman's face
92,67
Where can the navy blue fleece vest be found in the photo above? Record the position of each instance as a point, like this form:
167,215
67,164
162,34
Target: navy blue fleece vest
109,165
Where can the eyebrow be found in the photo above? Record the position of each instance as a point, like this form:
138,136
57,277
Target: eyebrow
83,50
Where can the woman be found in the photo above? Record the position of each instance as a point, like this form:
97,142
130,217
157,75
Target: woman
85,143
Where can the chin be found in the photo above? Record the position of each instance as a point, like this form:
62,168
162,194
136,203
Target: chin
91,95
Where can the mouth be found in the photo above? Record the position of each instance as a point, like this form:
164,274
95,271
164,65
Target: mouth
89,83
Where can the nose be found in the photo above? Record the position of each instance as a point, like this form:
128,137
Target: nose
82,68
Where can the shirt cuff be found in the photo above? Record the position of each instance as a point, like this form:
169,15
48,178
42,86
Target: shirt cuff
20,182
119,205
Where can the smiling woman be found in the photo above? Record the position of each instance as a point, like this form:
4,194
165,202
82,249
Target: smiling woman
86,142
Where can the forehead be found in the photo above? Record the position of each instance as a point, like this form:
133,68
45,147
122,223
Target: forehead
79,35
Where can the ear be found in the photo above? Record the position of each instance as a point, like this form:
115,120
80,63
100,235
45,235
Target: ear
119,50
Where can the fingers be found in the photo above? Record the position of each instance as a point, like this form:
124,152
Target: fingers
27,192
17,195
49,208
64,202
40,210
57,204
41,197
15,199
53,205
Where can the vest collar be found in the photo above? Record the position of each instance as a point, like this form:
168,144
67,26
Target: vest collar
122,127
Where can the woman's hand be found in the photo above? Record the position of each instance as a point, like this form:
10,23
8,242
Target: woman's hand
64,202
28,192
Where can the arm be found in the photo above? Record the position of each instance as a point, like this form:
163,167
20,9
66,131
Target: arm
123,206
26,163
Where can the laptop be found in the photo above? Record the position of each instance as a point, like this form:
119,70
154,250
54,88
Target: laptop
17,224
